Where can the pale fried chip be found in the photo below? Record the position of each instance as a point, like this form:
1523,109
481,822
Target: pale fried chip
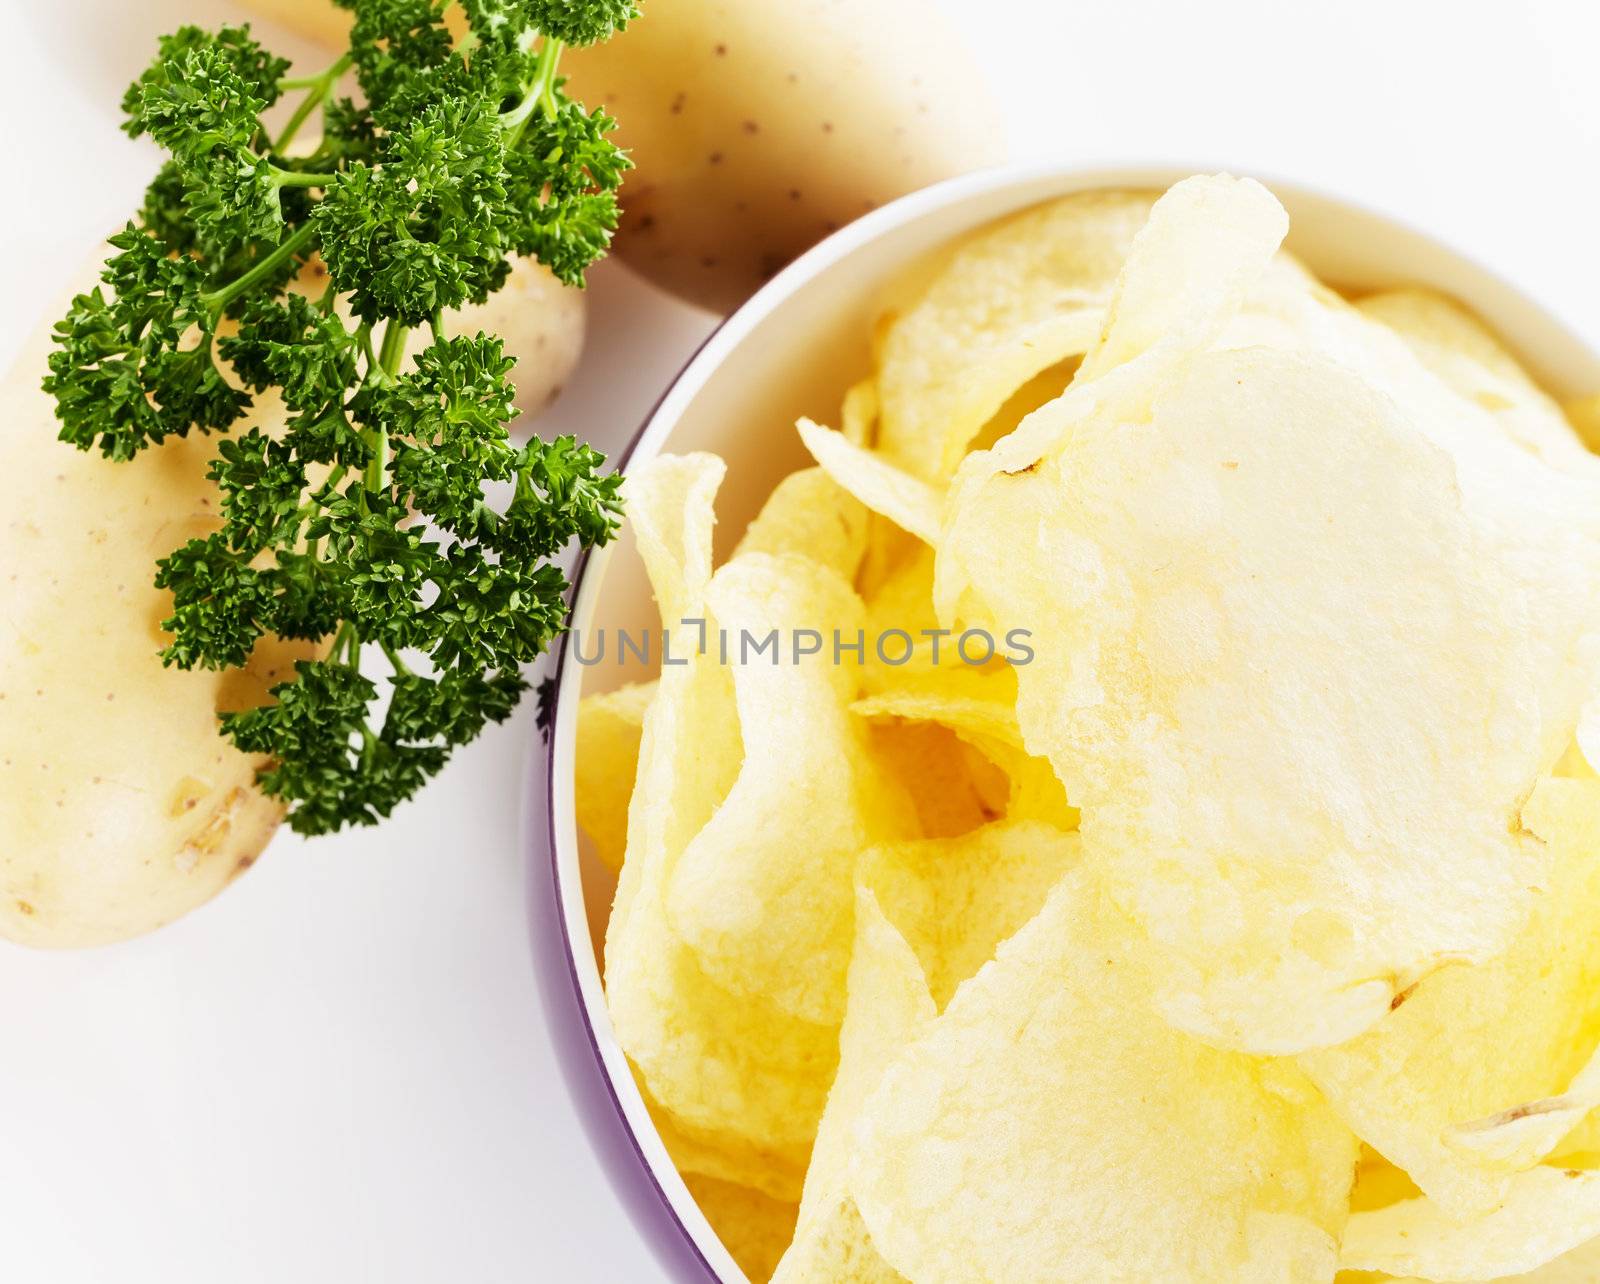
963,701
763,892
889,1005
1583,413
909,502
956,899
858,417
1462,352
810,515
1193,583
953,788
1206,245
753,1227
1409,1085
607,756
723,1156
1538,515
1547,1212
1049,1122
1015,299
1580,1266
1189,269
733,1070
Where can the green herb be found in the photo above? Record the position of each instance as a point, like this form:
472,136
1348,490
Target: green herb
454,157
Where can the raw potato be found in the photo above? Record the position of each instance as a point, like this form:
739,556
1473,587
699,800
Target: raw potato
121,807
320,20
758,129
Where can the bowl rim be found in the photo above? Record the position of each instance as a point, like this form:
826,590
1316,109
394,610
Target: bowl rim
552,838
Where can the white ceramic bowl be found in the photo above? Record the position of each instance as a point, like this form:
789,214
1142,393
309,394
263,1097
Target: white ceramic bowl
793,349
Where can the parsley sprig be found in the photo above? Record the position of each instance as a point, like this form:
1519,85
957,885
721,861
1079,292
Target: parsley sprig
453,158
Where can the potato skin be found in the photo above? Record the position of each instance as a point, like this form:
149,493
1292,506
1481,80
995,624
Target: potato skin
120,805
319,20
758,128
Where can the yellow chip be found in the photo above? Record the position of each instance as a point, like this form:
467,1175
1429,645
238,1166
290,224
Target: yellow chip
763,893
810,515
1013,301
607,756
889,1005
723,1157
1580,1266
1048,1122
1206,245
1033,791
1547,1212
953,788
1461,351
753,1227
1536,509
733,1070
1189,270
909,502
1424,1087
1193,582
956,899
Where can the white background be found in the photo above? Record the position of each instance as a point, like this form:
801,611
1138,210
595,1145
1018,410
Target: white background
341,1070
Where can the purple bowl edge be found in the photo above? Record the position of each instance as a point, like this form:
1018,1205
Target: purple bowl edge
604,1121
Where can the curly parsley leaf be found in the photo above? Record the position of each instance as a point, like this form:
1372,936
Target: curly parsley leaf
389,513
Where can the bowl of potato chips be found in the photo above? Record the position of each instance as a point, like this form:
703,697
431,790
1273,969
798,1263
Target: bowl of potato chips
1079,767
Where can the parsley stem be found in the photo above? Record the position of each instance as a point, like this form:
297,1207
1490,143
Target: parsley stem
390,355
219,299
400,666
299,178
364,338
393,351
319,86
341,642
538,93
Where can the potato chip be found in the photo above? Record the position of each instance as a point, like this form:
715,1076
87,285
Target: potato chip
1207,243
724,1158
909,502
956,899
1195,580
1379,1183
763,893
952,787
1584,416
1547,1212
858,417
1541,522
889,1005
607,756
1460,350
990,726
733,1071
1048,1123
1418,1085
753,1227
1580,1266
1310,985
810,515
1013,300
